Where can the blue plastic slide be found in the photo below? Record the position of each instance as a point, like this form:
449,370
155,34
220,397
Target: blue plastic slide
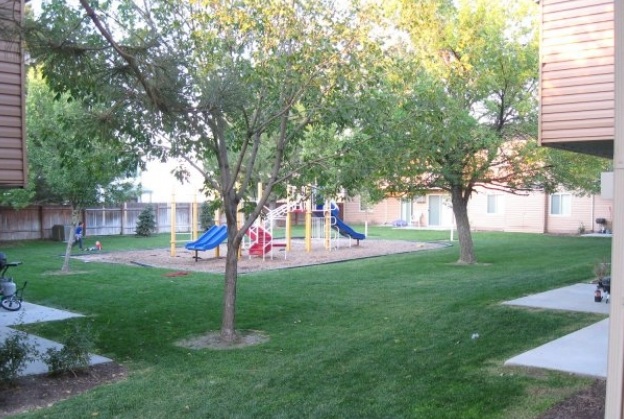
209,240
339,225
345,230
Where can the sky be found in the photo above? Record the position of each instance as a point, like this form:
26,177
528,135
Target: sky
158,184
158,179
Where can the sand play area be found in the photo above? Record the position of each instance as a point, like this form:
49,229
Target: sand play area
297,256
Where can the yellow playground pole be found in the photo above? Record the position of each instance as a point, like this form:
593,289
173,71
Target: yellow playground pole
194,218
172,251
288,225
217,222
327,214
239,224
308,224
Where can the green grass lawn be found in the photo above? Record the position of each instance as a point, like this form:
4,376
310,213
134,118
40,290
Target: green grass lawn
383,337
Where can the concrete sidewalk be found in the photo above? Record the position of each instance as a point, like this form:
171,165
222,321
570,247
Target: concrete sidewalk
583,352
33,313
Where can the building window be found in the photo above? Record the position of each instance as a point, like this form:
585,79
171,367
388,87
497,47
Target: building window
560,203
366,204
494,204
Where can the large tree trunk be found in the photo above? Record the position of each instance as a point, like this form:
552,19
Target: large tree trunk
70,241
460,210
228,321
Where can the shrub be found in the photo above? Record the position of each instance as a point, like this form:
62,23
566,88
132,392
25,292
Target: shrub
206,216
15,352
146,224
602,268
207,213
74,355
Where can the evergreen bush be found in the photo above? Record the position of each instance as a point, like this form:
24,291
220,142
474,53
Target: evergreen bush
206,215
146,225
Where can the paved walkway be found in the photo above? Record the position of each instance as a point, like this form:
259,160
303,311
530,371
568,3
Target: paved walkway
33,313
583,352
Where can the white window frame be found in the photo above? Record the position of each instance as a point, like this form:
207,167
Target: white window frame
365,206
495,199
564,205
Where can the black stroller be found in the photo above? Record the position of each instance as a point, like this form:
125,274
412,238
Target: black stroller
604,286
10,296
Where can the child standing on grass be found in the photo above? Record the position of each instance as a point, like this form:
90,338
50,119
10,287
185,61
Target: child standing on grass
78,235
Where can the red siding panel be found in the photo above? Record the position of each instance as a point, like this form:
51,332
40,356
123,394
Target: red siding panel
577,75
13,163
569,9
563,109
578,20
574,116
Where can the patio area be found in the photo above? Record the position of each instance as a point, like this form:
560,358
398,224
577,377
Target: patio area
583,352
34,313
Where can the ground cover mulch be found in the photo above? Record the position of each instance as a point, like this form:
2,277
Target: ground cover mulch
279,258
40,391
588,403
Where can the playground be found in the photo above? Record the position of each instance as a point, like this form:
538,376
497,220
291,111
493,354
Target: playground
327,239
297,256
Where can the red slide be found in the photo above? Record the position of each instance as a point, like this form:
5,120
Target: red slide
261,241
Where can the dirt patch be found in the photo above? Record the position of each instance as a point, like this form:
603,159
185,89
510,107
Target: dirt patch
212,340
41,391
61,273
176,274
279,258
588,403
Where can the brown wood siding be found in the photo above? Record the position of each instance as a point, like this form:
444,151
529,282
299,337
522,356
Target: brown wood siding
518,213
525,214
577,75
13,163
582,212
382,213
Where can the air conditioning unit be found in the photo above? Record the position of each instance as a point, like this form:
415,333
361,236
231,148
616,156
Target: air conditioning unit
58,233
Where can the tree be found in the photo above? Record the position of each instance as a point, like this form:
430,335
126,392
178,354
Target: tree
146,223
68,162
464,83
574,171
207,214
237,83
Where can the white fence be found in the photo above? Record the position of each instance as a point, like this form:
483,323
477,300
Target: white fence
49,222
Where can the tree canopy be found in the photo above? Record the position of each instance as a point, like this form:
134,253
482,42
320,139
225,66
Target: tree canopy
237,84
458,102
575,172
399,96
67,163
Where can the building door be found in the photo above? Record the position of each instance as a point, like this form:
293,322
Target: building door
440,211
435,209
406,210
